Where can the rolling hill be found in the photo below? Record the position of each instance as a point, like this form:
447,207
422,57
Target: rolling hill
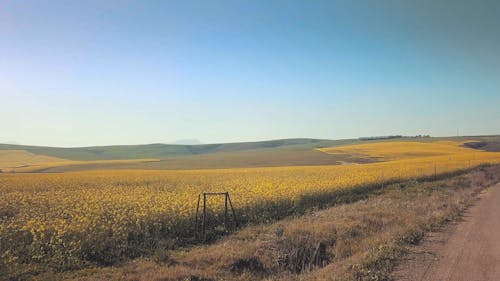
118,152
273,153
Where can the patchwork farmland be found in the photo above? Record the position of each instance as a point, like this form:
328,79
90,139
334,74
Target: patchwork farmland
66,221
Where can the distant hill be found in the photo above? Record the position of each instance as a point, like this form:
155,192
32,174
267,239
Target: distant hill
169,151
117,152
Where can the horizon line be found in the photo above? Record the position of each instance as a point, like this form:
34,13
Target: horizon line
256,141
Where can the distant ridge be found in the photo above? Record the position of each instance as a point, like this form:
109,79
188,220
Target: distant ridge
159,150
392,137
164,151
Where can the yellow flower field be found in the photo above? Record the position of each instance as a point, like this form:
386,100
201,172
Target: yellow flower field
71,220
24,161
401,150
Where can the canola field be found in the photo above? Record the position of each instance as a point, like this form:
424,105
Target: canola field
73,220
24,161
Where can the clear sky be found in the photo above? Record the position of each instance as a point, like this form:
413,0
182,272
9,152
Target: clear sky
78,73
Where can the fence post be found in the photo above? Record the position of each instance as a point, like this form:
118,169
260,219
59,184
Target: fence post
204,215
225,210
196,218
232,210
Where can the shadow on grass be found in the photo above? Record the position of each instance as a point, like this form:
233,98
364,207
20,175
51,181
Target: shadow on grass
271,211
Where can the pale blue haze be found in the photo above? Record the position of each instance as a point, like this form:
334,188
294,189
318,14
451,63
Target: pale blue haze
78,73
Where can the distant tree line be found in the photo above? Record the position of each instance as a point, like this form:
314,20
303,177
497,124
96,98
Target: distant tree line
392,137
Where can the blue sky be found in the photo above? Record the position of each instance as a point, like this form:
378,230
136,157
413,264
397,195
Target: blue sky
78,73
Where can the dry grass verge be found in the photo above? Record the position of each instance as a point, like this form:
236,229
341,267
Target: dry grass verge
357,241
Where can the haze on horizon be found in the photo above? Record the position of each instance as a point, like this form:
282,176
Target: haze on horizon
83,73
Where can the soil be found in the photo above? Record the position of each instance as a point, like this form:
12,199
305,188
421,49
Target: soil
468,250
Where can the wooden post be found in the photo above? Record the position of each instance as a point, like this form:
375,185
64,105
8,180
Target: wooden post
204,215
225,210
232,210
197,214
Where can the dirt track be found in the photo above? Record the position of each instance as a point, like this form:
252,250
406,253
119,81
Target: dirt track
466,251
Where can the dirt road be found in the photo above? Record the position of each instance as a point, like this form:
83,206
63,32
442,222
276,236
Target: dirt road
466,251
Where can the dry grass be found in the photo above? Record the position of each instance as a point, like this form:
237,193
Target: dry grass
10,160
239,159
358,241
24,161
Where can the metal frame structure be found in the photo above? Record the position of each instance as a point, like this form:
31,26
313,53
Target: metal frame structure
227,201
